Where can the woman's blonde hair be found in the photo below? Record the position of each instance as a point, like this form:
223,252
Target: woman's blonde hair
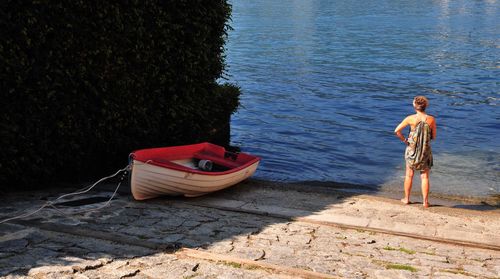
420,103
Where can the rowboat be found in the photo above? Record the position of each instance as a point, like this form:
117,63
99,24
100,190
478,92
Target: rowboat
188,170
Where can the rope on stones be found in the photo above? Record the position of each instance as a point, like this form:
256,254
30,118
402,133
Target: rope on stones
77,192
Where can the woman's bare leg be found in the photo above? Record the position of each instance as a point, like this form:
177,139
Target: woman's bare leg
408,184
425,187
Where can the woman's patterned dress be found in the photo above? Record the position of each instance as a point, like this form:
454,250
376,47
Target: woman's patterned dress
418,154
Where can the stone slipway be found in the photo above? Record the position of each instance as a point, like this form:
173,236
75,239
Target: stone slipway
254,230
475,228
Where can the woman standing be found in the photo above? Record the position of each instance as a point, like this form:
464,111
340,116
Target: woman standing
418,154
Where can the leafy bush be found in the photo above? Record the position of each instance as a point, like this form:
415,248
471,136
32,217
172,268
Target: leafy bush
85,82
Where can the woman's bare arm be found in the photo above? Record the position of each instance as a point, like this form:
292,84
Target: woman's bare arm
399,128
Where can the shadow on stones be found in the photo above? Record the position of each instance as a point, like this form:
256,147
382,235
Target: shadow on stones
131,229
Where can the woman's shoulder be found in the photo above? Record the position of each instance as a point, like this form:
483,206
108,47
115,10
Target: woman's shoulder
410,117
431,120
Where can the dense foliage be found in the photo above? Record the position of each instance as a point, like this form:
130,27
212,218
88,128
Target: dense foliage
85,82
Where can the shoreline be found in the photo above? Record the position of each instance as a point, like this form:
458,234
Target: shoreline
443,199
471,202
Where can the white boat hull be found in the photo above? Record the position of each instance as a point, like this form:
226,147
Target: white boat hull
150,181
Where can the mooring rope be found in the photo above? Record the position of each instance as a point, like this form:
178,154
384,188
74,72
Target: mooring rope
77,192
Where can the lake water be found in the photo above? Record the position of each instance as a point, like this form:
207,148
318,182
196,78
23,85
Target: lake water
326,82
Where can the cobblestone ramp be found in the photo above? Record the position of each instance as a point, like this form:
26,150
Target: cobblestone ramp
192,238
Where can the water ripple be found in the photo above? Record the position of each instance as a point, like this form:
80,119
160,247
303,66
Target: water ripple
325,82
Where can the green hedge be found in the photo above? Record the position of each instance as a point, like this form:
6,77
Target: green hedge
85,82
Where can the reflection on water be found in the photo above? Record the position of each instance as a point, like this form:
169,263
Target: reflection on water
325,83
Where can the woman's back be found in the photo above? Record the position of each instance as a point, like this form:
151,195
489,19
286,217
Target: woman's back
414,119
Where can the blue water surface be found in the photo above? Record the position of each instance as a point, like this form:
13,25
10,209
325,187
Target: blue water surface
326,82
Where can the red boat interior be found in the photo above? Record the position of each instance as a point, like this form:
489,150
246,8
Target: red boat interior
224,161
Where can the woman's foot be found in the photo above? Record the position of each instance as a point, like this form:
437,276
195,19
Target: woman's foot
405,201
426,205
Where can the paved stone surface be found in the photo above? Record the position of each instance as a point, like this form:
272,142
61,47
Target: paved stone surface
161,238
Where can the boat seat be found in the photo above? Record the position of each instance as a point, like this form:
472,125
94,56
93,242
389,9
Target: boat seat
217,160
169,164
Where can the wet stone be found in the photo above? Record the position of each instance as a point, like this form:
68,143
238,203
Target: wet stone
42,255
191,243
169,238
21,261
170,223
53,246
35,238
202,219
203,230
74,250
191,223
7,271
6,229
5,255
139,232
145,222
119,219
14,245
